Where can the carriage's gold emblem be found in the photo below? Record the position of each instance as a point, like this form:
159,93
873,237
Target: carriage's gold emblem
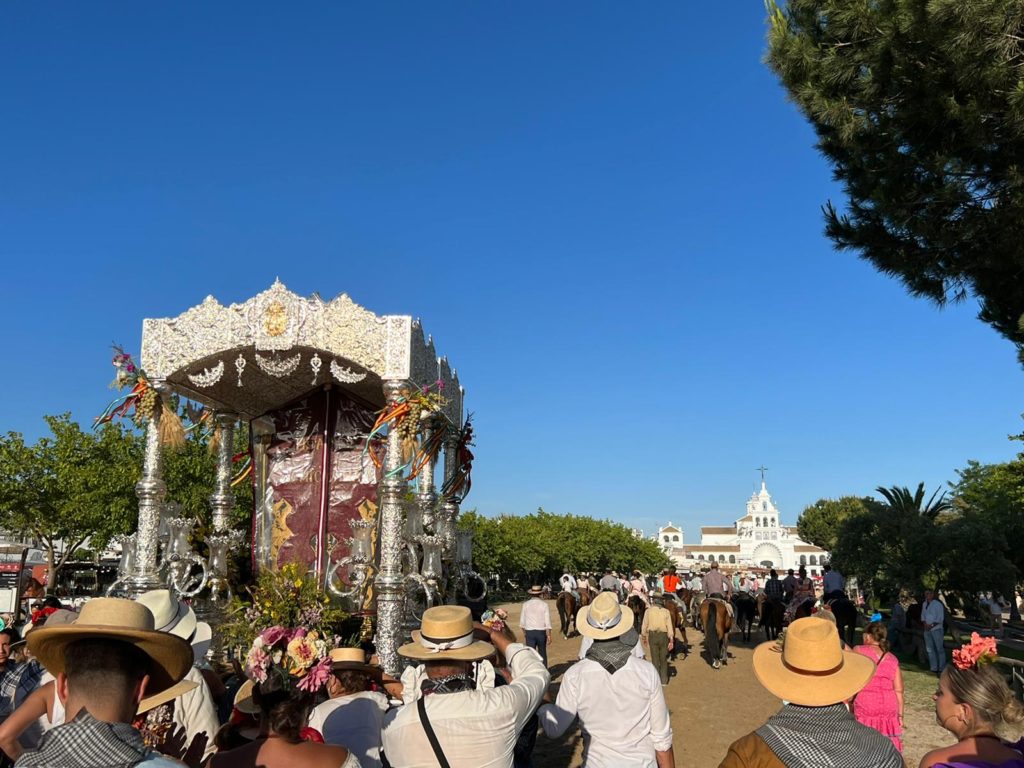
275,321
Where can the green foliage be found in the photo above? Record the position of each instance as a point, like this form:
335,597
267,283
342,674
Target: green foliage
543,545
70,487
819,523
289,598
919,107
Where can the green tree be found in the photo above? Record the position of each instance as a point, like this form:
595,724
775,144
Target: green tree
73,487
994,494
541,545
820,523
896,543
919,107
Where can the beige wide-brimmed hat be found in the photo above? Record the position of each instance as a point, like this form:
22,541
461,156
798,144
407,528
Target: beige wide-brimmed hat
116,619
535,590
446,632
811,669
244,702
603,618
169,613
353,658
176,690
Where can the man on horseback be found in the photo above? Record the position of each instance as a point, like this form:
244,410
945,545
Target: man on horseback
833,583
638,588
569,585
717,586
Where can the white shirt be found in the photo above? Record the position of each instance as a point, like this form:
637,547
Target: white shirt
535,615
638,649
624,716
695,584
833,581
932,612
568,581
476,729
354,722
194,711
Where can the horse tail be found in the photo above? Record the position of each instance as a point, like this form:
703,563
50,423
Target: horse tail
711,629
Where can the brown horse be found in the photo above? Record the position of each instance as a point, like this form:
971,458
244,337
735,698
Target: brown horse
584,597
566,603
689,600
639,608
678,622
716,619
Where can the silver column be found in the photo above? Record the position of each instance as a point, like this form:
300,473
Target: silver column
222,500
450,507
390,589
426,497
150,491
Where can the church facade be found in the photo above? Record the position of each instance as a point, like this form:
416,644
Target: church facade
757,539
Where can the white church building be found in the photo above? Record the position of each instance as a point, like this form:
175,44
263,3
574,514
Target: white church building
758,538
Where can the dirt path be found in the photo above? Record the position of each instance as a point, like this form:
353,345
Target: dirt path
712,708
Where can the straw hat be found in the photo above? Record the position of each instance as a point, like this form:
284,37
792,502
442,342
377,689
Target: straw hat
116,619
446,633
244,701
176,690
535,590
60,617
811,669
353,658
169,613
603,618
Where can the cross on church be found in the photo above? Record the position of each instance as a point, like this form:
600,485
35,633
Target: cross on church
763,469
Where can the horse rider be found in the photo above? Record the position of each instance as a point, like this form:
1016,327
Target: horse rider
773,587
833,583
583,582
670,584
609,582
788,586
717,586
802,592
638,587
569,585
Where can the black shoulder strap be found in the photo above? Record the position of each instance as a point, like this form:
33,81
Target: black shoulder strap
431,736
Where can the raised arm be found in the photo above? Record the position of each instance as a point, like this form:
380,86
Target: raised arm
36,705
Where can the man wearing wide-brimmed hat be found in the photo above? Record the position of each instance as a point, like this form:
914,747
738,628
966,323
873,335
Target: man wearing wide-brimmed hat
353,716
618,698
811,673
105,663
473,727
195,711
535,621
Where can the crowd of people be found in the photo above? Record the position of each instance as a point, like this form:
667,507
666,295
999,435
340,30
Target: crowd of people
124,683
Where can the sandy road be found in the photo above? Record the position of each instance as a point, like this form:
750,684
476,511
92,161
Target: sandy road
710,708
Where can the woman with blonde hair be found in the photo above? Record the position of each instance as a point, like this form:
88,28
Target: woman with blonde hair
975,704
879,704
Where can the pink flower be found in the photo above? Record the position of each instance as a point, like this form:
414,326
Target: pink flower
256,664
273,635
980,650
316,677
298,632
302,652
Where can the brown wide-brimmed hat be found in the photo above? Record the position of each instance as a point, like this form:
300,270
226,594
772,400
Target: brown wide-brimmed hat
113,618
446,633
603,618
176,690
353,658
811,669
535,590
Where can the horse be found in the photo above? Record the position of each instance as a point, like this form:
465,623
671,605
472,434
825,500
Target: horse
584,597
771,613
566,603
639,607
716,618
678,622
846,617
746,609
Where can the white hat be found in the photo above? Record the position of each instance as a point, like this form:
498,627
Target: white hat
169,613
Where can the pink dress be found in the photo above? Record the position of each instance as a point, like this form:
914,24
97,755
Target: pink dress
876,706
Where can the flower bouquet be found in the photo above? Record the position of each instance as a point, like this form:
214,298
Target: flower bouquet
981,650
299,657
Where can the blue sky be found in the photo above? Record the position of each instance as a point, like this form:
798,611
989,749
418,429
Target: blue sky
607,215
